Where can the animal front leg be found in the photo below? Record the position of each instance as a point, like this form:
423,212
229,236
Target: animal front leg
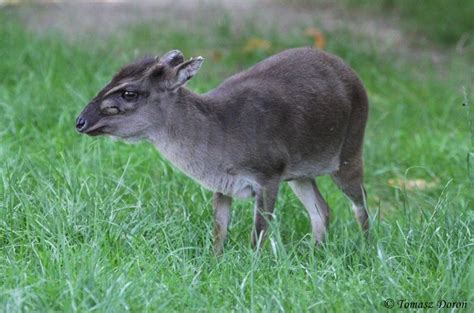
265,199
222,205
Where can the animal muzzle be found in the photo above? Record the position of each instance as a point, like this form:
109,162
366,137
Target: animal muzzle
90,127
81,124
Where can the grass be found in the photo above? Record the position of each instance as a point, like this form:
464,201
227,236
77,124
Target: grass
445,24
95,225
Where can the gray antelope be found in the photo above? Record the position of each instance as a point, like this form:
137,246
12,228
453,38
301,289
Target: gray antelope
294,116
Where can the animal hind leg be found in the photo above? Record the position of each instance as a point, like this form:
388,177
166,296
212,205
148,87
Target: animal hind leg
222,206
349,178
318,210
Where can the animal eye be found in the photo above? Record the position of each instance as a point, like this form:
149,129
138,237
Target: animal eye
111,110
130,95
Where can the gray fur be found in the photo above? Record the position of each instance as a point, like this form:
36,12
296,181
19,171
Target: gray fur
294,116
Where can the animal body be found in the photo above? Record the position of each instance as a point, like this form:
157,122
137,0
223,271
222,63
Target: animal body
292,117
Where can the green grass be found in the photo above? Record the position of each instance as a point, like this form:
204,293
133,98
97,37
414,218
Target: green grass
95,225
445,22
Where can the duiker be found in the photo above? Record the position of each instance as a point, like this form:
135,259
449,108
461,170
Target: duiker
294,116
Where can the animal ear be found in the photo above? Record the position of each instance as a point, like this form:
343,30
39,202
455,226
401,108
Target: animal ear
156,70
185,72
172,58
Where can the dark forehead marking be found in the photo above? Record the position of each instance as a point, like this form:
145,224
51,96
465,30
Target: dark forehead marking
133,70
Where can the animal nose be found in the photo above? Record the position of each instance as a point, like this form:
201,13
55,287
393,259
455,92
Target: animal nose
81,124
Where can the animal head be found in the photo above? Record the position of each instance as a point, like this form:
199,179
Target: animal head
136,97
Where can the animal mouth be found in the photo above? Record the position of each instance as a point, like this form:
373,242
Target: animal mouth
96,131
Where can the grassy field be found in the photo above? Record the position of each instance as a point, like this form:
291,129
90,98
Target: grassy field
95,225
445,22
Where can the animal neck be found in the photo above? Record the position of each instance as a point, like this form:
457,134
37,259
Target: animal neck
195,104
190,122
192,138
